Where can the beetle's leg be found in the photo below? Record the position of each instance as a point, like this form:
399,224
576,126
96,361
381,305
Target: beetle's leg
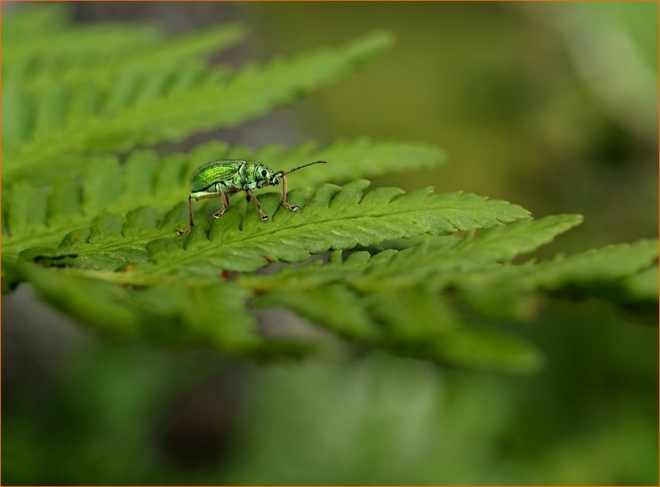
283,198
225,205
190,212
254,198
190,216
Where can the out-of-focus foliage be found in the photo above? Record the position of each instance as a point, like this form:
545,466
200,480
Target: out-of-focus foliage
615,50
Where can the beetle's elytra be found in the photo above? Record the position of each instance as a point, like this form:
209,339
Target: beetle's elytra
220,178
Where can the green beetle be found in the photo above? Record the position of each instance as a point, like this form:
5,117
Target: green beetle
220,178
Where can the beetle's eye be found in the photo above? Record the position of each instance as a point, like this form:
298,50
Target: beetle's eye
264,173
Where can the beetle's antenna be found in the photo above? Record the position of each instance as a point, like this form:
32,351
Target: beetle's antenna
310,164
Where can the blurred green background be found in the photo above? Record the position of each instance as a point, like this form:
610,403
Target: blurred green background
553,106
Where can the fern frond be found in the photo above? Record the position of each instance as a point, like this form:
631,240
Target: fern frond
393,300
108,186
173,314
250,93
422,263
609,263
470,266
622,274
418,322
179,54
36,113
56,51
334,218
599,273
413,321
37,50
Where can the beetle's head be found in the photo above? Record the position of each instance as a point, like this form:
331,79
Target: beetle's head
265,176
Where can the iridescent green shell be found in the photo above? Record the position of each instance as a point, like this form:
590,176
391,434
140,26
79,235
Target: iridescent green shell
214,172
